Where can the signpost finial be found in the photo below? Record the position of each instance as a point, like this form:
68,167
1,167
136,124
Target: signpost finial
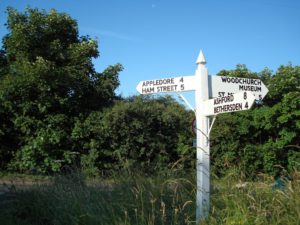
201,59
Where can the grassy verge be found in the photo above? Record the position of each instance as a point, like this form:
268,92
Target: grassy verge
235,202
69,200
160,200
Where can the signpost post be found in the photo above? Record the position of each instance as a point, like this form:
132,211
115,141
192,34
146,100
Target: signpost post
230,94
202,144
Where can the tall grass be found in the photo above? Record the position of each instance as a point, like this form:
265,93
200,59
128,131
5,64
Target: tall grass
236,202
71,200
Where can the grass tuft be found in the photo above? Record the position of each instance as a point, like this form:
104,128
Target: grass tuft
71,199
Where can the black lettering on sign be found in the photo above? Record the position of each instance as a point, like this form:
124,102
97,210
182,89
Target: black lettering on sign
164,81
225,99
245,95
249,88
145,83
181,79
147,90
228,108
239,80
182,87
221,94
169,88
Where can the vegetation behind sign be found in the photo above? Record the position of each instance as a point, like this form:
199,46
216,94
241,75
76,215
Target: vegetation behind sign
57,111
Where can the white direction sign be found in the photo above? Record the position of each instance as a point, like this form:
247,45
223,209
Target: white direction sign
175,84
222,86
230,94
230,103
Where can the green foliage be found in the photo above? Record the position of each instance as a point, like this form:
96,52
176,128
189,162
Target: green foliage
56,111
70,200
162,200
234,202
285,81
264,139
48,80
138,133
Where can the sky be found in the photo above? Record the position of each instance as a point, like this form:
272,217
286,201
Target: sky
162,38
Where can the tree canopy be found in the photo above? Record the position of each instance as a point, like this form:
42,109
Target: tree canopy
266,138
56,110
47,80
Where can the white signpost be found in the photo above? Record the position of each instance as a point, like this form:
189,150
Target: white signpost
174,84
222,86
230,103
230,94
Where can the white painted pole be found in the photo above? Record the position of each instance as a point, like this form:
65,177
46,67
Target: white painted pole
203,160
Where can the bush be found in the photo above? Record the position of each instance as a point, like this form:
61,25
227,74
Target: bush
140,134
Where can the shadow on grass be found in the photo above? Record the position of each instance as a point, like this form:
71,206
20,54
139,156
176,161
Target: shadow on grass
132,200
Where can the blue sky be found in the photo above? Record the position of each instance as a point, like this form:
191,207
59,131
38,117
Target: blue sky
162,38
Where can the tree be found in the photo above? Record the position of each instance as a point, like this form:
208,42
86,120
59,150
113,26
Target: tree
47,80
144,134
264,139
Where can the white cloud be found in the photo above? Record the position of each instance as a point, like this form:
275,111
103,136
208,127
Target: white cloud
106,33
